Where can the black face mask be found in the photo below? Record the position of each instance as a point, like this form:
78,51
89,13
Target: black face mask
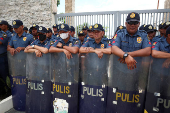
42,37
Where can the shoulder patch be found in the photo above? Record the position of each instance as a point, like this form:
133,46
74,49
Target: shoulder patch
4,35
76,42
154,43
115,36
51,42
25,38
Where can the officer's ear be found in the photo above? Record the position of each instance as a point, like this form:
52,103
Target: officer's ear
168,36
22,26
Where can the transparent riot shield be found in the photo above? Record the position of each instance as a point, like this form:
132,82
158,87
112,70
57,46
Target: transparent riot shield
38,95
65,77
93,83
158,92
127,88
17,70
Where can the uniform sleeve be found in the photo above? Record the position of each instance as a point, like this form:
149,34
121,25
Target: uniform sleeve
55,43
108,45
156,46
11,42
117,40
86,44
4,40
146,42
77,43
33,43
48,45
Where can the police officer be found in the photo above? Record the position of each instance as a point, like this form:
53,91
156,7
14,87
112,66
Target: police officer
41,45
131,42
55,30
4,29
34,29
151,33
25,29
72,31
90,32
66,43
161,48
98,45
20,40
49,34
119,28
81,37
142,27
3,59
84,29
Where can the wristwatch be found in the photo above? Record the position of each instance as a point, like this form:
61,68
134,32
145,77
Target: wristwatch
33,46
125,55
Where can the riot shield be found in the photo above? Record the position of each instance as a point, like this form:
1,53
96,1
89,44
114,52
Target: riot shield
38,95
93,83
65,76
127,88
158,92
17,70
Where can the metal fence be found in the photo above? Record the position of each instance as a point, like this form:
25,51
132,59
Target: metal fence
111,19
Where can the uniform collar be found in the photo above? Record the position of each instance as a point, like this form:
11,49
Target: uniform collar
136,34
23,34
165,43
70,40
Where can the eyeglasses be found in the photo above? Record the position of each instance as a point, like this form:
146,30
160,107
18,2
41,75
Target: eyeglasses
133,22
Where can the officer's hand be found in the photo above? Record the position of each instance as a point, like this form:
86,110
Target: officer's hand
68,54
131,62
18,49
122,60
59,44
99,53
166,63
29,47
38,53
12,51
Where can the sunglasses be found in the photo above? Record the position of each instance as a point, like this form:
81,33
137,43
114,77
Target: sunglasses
133,22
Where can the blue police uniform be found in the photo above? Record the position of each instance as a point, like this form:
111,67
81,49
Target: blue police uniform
155,39
71,42
161,45
130,43
86,38
103,44
23,41
45,44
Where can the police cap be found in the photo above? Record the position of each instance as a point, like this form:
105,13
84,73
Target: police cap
98,27
17,23
133,16
42,29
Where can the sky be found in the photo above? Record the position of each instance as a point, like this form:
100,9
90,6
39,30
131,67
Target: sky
111,5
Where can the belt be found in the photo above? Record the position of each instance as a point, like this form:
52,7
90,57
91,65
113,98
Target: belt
3,54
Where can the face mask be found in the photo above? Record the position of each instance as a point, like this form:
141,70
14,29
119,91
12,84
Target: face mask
42,37
64,35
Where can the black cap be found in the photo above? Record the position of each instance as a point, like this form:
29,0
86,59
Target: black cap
35,26
49,30
133,16
149,28
142,27
25,28
9,26
30,30
161,26
84,28
90,28
168,30
42,29
72,28
63,27
81,33
55,26
167,24
120,27
98,27
17,23
3,22
155,29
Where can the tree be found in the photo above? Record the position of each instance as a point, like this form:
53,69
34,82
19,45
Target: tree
58,3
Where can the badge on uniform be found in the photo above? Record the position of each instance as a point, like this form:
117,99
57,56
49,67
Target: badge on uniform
139,39
132,15
4,35
25,38
115,36
76,42
70,44
102,46
51,42
154,43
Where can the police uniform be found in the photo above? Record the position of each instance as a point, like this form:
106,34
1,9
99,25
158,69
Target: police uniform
104,43
55,36
162,44
45,44
71,42
72,29
130,43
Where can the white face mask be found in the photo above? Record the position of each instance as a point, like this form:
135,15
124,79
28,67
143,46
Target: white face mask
64,35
